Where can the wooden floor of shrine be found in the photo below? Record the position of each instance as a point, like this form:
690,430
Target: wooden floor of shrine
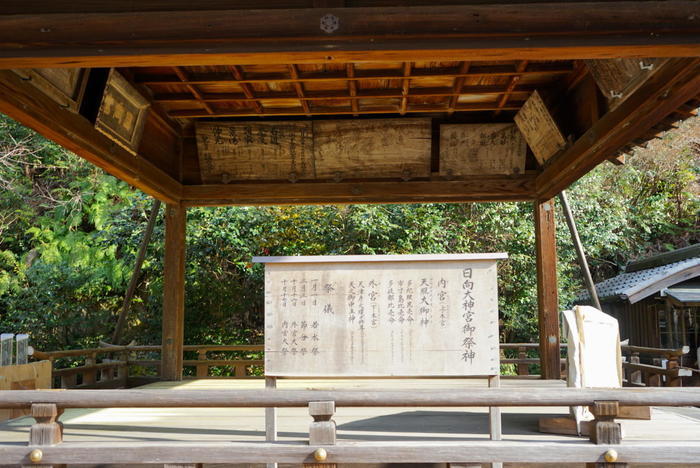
354,424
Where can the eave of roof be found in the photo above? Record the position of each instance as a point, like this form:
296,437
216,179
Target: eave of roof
635,286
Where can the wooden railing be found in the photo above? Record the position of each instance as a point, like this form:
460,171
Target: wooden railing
46,446
122,366
127,366
665,369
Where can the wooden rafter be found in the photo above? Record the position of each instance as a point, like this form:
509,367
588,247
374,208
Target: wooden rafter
405,85
457,87
352,88
25,103
487,107
245,86
482,71
334,95
299,88
182,76
512,82
325,92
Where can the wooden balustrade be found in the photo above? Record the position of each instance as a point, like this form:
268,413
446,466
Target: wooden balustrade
117,373
47,449
114,373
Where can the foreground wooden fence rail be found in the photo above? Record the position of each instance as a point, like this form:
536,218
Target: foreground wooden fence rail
47,448
115,371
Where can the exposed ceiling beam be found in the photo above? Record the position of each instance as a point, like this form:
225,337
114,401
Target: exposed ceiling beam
534,31
674,83
483,188
25,103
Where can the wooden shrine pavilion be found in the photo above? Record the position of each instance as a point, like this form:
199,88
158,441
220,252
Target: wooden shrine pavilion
214,103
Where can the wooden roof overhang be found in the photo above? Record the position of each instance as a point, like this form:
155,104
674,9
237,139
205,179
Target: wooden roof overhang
295,62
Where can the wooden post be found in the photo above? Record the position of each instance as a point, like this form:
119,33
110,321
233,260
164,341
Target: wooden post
321,431
173,293
495,417
90,375
524,368
271,418
605,431
547,296
635,377
202,369
45,431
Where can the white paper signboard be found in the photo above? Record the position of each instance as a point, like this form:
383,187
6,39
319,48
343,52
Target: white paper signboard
381,316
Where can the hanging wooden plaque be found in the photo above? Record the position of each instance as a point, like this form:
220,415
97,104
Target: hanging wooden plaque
618,78
122,113
539,129
230,151
391,148
66,86
476,149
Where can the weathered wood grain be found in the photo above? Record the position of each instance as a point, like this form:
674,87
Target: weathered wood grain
301,398
173,292
547,292
356,149
485,149
348,317
486,188
230,151
65,85
562,30
539,129
676,81
31,107
122,113
365,452
618,78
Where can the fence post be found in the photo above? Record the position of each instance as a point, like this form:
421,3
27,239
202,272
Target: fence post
45,431
202,369
673,380
321,431
89,375
523,368
635,377
605,431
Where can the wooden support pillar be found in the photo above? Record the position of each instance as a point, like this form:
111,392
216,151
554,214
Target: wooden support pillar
173,293
547,296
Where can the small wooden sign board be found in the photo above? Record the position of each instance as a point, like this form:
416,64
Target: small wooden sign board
478,149
66,86
618,78
122,113
539,129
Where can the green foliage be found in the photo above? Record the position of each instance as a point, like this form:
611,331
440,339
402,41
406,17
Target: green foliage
69,235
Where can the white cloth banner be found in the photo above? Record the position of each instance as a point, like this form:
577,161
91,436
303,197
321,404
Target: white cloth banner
594,359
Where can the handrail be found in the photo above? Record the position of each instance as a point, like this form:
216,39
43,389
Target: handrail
478,397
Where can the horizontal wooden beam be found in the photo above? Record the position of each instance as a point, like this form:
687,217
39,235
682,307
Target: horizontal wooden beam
477,71
534,31
325,96
486,188
675,82
287,111
31,107
483,451
478,397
